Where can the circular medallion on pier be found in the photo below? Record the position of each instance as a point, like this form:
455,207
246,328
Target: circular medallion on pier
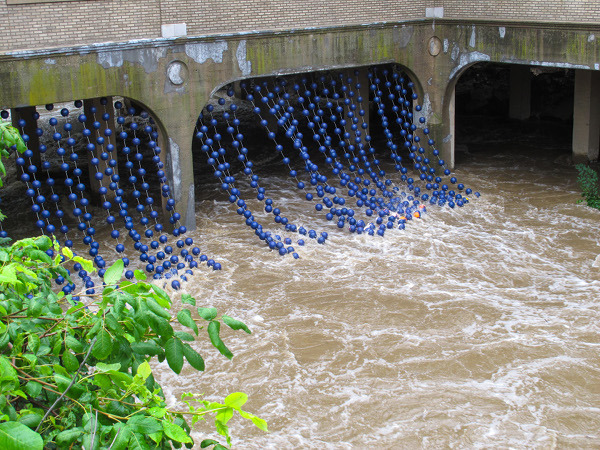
177,72
435,46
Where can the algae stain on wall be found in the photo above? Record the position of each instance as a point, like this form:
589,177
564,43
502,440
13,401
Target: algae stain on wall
44,85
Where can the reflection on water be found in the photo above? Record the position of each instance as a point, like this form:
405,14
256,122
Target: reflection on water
473,328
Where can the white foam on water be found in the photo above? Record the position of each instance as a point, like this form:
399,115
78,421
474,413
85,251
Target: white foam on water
477,327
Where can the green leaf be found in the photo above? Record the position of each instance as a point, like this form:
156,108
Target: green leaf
104,345
102,367
223,430
150,348
185,318
38,255
112,324
235,324
138,442
174,354
156,437
260,423
67,437
207,313
114,273
139,275
8,375
207,442
157,412
74,344
193,357
31,420
70,361
4,339
184,336
157,309
67,252
16,436
188,299
123,434
33,343
176,433
8,274
224,415
144,424
87,265
144,370
35,308
43,243
33,388
213,333
236,400
63,383
161,297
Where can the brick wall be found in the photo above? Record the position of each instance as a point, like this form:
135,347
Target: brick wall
587,11
56,24
210,16
79,22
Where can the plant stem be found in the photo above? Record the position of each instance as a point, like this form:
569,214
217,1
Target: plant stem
70,385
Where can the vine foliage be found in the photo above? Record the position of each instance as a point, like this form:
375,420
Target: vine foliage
589,184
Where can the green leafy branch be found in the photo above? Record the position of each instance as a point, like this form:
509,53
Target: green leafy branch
589,184
9,138
75,374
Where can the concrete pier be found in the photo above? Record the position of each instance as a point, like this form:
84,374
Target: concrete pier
586,116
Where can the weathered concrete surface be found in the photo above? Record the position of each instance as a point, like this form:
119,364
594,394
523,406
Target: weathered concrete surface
586,116
174,78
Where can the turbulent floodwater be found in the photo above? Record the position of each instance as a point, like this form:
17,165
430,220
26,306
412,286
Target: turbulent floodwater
473,328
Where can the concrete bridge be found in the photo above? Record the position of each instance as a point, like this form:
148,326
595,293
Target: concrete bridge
171,55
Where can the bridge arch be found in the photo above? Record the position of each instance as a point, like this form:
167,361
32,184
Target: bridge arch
103,152
319,126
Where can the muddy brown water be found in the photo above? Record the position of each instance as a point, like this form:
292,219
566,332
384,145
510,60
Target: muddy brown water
476,327
473,328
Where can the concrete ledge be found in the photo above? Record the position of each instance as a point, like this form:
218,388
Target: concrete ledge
170,41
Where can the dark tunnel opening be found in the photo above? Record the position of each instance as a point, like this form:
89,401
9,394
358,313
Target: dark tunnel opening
487,123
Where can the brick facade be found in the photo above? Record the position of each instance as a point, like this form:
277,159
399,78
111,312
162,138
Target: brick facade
67,23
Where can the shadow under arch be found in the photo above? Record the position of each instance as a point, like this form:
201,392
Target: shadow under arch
220,157
510,103
98,150
236,90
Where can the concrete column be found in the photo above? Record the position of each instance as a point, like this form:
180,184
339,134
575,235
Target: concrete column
91,117
176,135
586,115
448,147
29,129
238,92
440,118
163,144
520,92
